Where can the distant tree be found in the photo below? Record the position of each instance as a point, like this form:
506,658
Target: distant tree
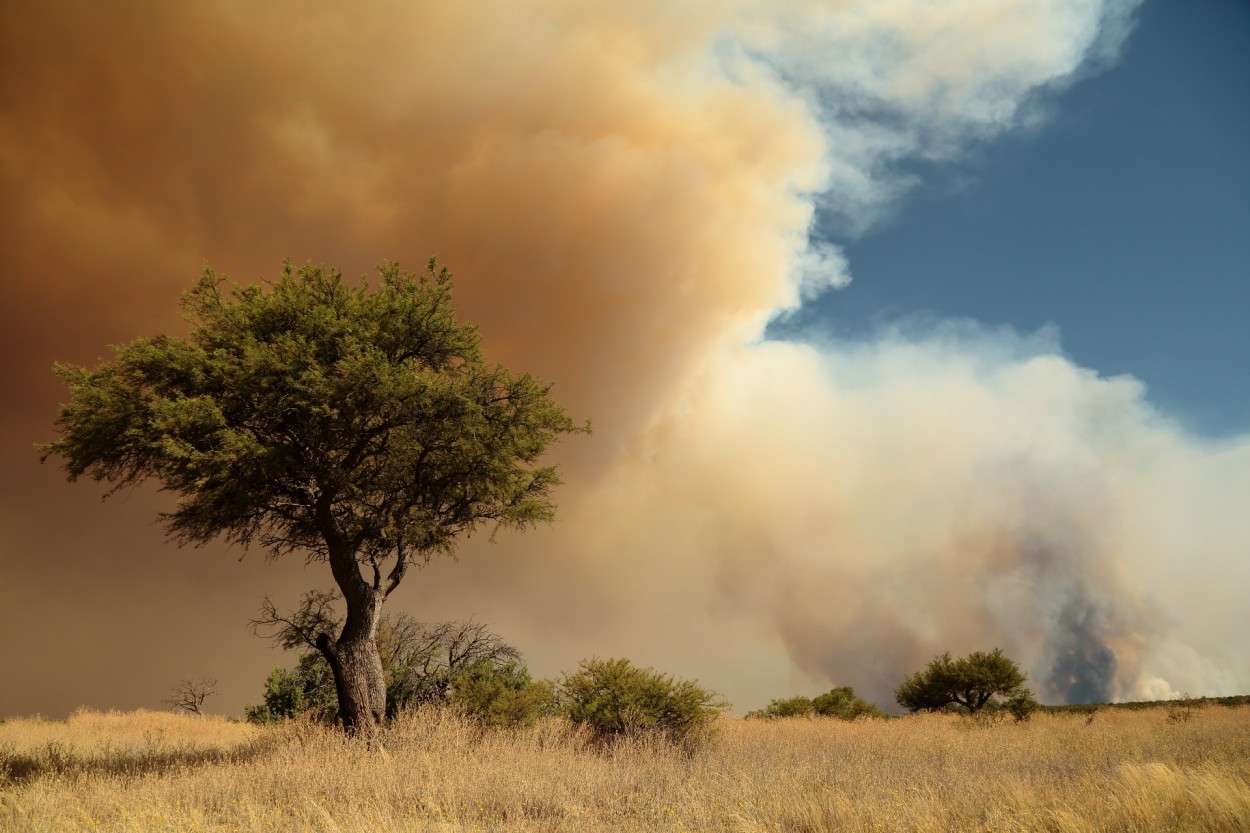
970,682
358,428
190,695
839,702
614,698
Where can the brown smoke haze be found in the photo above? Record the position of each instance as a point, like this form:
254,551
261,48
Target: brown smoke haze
624,192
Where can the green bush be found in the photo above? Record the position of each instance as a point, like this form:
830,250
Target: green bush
502,695
422,663
785,707
839,702
1022,706
842,703
615,699
306,691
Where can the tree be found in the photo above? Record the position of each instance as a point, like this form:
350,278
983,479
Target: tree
421,663
427,663
354,426
190,695
971,682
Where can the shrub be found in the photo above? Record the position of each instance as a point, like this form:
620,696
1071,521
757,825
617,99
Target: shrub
839,702
1182,709
502,695
421,661
1021,706
614,699
306,691
842,703
784,707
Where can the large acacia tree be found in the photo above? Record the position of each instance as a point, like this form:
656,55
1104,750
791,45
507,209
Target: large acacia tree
353,425
971,682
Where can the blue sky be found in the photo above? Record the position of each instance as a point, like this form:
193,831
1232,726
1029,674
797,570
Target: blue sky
1123,218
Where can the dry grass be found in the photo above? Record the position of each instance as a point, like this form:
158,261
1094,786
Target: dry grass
1125,771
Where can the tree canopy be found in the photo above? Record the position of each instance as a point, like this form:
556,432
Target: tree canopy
354,425
970,682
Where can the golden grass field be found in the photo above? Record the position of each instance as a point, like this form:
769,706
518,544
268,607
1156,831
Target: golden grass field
147,771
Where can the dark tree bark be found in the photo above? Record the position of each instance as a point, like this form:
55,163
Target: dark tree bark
358,679
353,657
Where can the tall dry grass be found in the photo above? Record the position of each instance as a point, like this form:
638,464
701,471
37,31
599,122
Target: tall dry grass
1125,771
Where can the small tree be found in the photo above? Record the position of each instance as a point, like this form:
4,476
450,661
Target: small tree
190,695
969,682
616,699
361,429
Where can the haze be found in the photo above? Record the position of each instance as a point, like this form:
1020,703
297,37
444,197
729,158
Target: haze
626,194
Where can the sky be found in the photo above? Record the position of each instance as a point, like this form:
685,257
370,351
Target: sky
1128,202
905,327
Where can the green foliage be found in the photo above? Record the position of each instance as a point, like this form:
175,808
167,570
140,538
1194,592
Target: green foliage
502,695
308,691
842,703
1231,701
968,683
839,702
1021,705
462,663
310,397
784,707
614,698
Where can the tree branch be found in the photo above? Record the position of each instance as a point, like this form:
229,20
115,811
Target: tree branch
303,626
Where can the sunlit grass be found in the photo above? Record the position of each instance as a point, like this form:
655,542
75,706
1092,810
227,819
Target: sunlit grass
144,771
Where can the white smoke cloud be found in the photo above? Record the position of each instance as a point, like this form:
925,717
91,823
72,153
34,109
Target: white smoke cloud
848,511
900,80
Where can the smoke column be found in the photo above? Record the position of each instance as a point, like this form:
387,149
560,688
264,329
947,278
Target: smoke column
625,193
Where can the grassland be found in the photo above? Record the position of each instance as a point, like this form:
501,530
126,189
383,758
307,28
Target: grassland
1119,771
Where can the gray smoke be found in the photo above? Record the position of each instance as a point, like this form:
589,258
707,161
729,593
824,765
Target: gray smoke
1080,665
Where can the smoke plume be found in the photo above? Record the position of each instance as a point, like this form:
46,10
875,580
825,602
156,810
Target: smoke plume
626,194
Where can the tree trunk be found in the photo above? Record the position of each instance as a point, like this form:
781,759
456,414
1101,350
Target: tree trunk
358,680
353,657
